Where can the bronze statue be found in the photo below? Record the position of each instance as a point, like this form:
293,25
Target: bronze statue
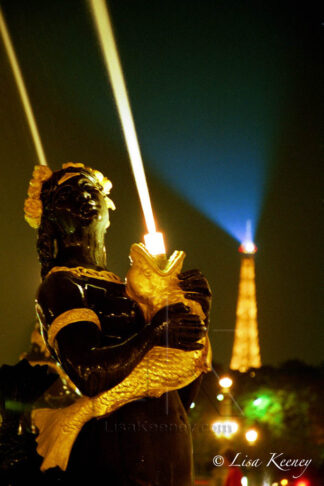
134,351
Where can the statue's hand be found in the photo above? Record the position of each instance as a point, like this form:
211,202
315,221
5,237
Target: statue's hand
196,287
177,328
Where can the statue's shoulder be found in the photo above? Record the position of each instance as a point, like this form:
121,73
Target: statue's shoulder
57,280
83,273
60,291
66,287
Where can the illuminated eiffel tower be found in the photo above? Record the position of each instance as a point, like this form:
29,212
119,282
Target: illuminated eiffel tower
246,349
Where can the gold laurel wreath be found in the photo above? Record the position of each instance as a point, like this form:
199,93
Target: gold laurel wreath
33,207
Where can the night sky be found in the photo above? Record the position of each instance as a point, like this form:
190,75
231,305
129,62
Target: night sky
227,102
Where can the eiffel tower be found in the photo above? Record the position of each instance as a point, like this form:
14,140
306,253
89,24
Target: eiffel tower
246,349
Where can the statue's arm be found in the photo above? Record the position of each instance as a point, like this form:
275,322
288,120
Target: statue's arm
79,346
94,367
196,287
78,342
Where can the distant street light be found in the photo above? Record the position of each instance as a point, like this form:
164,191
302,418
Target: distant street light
225,428
226,382
244,481
251,436
224,397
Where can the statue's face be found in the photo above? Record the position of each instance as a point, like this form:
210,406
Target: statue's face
78,201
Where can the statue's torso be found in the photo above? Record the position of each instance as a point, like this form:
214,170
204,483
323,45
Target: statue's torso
146,442
120,317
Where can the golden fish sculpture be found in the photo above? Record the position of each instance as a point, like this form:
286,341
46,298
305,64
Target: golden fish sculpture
161,370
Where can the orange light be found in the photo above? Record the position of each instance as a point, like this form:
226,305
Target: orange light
284,482
303,482
251,436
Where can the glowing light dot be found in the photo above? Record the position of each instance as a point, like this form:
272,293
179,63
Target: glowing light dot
244,481
284,482
220,397
257,402
226,382
248,247
251,435
193,405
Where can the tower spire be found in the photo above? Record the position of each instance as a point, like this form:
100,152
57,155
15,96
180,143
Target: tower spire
246,349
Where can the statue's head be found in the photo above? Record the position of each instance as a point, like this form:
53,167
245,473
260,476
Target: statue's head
71,197
67,202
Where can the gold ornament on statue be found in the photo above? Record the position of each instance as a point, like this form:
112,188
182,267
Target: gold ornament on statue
33,207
